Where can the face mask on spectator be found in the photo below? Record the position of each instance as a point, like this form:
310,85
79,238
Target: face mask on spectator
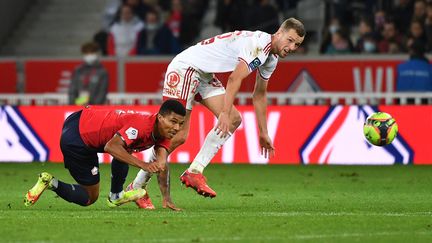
333,28
369,46
90,58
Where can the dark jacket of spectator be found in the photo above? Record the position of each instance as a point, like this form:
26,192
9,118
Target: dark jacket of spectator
158,41
92,80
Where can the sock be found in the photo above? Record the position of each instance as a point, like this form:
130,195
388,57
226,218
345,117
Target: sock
119,171
115,196
211,146
143,177
71,193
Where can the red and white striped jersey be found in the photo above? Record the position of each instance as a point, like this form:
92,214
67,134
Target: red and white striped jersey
222,53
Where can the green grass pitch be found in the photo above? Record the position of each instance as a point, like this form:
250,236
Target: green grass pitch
254,204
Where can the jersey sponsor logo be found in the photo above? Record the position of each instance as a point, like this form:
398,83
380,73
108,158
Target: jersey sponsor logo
132,133
255,63
18,140
173,79
338,139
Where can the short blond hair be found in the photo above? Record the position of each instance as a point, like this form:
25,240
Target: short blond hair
295,24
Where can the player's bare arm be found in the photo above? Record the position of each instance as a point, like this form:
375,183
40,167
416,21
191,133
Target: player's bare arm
116,147
259,99
232,88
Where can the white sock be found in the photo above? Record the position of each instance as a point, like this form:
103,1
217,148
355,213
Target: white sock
53,184
143,177
114,196
211,146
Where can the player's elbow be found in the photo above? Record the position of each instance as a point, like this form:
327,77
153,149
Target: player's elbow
108,148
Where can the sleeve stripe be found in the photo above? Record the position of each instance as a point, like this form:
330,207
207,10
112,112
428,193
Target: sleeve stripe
267,48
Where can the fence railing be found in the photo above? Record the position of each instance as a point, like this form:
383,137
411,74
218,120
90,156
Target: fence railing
274,98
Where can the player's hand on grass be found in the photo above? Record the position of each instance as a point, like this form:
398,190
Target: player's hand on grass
267,149
167,203
222,127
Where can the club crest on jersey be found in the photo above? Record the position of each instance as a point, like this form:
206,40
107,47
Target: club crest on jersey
173,79
255,63
132,133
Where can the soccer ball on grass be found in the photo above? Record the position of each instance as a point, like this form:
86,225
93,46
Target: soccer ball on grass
380,129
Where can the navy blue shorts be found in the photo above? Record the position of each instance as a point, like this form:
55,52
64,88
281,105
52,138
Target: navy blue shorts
81,161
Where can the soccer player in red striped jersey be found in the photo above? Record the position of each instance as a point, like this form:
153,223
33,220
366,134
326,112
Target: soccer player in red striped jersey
119,133
190,76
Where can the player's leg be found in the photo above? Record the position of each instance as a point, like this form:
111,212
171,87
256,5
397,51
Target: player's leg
213,141
117,196
82,164
212,96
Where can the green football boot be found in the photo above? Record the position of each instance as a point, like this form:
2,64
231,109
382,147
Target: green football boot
36,191
128,196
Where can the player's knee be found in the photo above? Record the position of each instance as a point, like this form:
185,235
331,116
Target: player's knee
92,199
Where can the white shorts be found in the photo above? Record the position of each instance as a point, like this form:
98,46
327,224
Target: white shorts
186,84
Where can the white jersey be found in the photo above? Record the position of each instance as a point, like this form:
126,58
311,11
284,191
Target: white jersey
222,53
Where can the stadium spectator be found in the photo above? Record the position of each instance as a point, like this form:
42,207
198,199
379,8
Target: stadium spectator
392,40
123,34
419,11
380,18
367,41
428,26
369,44
416,33
89,81
156,38
190,76
119,133
334,26
174,18
416,73
402,13
339,44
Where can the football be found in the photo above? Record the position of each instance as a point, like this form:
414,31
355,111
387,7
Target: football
380,129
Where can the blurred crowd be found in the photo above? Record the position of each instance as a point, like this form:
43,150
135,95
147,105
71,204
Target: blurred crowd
158,27
166,27
381,26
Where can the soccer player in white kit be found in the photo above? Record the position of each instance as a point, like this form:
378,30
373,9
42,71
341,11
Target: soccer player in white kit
190,76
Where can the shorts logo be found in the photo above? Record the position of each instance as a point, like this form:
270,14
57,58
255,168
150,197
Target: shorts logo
255,63
132,133
95,170
173,79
